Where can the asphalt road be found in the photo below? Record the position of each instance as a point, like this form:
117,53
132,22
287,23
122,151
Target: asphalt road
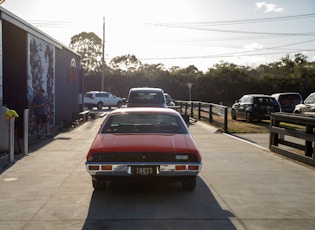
241,186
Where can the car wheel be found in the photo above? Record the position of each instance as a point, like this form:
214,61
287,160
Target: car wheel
99,105
98,184
119,104
233,114
248,117
189,184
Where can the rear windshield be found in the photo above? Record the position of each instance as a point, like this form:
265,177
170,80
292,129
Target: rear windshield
144,123
290,99
265,101
146,97
90,95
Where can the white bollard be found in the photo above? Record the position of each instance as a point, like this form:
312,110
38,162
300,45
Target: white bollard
11,139
26,115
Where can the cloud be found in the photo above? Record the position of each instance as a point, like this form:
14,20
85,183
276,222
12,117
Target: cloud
253,46
269,7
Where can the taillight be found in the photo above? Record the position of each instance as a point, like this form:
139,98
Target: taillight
94,167
180,167
193,167
107,167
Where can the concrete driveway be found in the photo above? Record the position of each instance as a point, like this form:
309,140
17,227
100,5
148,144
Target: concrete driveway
241,186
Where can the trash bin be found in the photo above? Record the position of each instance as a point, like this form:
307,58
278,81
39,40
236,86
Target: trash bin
4,130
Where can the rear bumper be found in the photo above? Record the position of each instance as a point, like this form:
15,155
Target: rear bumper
163,169
89,104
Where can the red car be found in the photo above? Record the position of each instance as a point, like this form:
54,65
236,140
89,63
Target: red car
143,143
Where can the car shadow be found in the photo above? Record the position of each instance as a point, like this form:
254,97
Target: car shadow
156,206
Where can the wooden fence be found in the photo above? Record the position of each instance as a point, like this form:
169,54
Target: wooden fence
213,113
292,135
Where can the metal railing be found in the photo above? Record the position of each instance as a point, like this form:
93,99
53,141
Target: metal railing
292,135
213,113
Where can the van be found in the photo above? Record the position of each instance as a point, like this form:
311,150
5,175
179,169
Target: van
146,97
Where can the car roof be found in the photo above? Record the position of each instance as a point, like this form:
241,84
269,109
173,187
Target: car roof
151,110
287,93
144,89
257,95
97,92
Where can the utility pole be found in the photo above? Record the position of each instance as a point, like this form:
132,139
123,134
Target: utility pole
103,56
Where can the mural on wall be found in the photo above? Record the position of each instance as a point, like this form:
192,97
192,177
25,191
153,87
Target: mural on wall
41,75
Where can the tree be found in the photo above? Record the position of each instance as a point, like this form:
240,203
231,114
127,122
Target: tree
125,63
89,46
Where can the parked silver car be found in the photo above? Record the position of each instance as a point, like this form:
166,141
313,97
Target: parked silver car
288,100
308,106
100,99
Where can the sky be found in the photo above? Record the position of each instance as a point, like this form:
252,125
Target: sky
181,32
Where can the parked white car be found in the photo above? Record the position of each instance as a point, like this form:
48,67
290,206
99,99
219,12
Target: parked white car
100,99
169,100
308,106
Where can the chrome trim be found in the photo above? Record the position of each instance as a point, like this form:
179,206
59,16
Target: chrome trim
124,168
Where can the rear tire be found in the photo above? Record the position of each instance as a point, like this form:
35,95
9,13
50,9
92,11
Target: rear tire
248,117
99,185
119,104
233,115
99,105
189,184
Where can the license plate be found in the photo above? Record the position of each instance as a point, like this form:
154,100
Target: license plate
143,170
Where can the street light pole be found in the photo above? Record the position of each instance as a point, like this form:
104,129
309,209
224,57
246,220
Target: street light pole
103,56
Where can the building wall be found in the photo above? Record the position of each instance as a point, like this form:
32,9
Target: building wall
31,61
14,69
68,86
1,66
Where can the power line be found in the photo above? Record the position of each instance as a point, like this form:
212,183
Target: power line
206,26
41,23
252,32
232,22
245,53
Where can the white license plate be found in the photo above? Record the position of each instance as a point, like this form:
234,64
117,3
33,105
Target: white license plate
143,170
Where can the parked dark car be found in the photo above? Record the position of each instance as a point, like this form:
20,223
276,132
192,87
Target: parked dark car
288,101
254,106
